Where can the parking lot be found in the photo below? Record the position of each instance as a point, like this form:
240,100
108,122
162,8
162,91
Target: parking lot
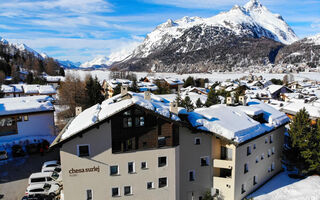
14,174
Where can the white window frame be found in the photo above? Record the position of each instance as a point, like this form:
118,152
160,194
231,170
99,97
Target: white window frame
146,165
269,152
273,166
207,161
254,146
249,150
152,185
262,156
166,161
133,166
167,182
257,159
119,192
78,149
91,193
194,175
118,170
197,138
131,193
25,118
273,151
271,139
266,140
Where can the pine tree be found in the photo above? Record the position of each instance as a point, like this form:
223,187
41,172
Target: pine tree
134,87
179,100
187,104
312,153
189,82
199,103
212,99
29,78
301,135
93,91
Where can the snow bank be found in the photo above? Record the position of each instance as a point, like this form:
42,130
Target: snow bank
282,187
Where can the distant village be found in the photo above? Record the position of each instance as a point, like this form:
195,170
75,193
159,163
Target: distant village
159,137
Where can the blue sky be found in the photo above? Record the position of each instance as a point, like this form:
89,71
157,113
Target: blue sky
79,30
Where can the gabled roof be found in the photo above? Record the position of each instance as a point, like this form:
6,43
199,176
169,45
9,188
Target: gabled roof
101,112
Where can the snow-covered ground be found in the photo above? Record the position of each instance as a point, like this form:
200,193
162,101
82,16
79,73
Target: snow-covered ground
282,187
104,75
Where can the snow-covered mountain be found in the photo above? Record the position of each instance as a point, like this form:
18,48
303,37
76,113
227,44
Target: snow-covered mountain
98,62
195,34
301,53
67,64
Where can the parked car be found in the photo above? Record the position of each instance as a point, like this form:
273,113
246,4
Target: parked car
52,163
51,190
32,148
38,197
17,151
51,169
3,155
44,177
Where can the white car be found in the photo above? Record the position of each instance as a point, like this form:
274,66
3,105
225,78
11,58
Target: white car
44,177
43,189
52,169
52,163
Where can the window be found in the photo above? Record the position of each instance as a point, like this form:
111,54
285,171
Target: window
257,159
144,165
204,161
254,146
162,161
114,170
243,188
265,140
131,167
139,121
161,141
150,185
269,169
19,119
255,180
269,153
26,118
248,150
191,175
127,190
115,192
246,168
272,166
273,150
262,156
89,194
197,141
83,150
162,182
271,139
127,122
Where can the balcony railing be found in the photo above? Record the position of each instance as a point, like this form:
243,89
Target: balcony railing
226,164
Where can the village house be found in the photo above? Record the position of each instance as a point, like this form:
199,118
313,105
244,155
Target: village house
141,146
18,114
19,90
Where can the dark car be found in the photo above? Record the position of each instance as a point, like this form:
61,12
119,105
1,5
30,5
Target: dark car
17,151
32,148
38,197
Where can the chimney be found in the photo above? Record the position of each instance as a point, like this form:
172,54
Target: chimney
174,107
243,100
78,110
124,89
230,101
179,89
147,95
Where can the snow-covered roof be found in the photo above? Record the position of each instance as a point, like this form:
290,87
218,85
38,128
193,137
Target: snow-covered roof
145,86
217,118
20,105
173,81
18,88
193,97
7,89
115,82
31,89
54,78
112,106
296,106
47,89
